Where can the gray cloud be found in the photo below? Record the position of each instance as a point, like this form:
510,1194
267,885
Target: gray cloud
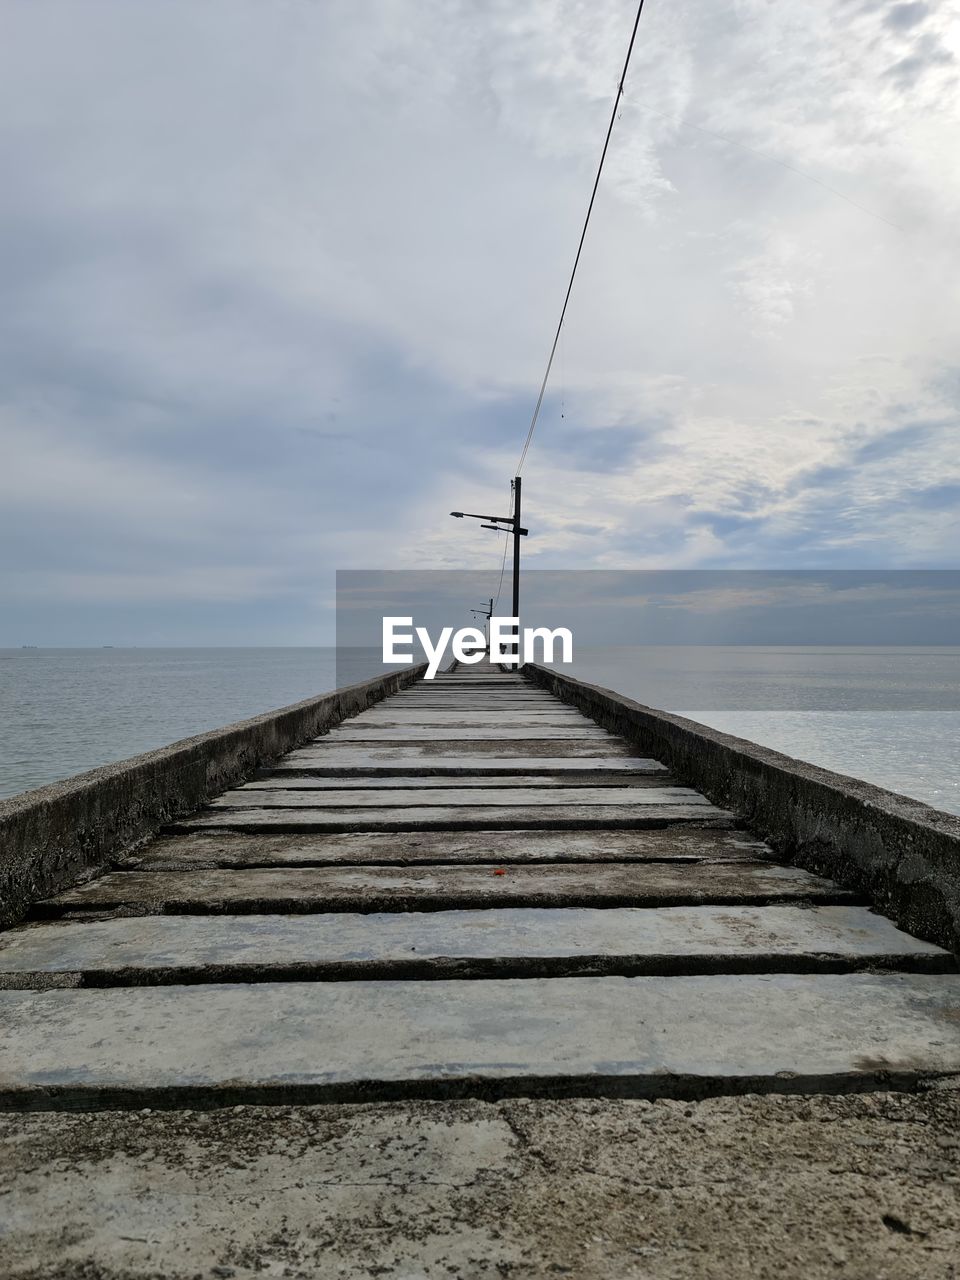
901,17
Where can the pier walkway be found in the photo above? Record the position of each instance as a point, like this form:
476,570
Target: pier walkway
561,1014
469,890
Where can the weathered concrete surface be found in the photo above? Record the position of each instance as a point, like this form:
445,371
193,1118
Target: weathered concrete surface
900,852
777,1188
480,752
232,849
485,708
355,732
429,748
292,796
509,1189
451,723
52,836
471,677
429,888
525,699
454,1001
557,714
350,1041
501,942
587,817
300,779
390,761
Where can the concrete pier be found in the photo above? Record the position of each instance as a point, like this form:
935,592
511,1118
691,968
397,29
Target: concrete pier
469,938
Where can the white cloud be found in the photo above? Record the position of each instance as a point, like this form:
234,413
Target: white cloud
770,285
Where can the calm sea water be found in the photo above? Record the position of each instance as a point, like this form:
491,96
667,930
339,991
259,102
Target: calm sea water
889,715
66,710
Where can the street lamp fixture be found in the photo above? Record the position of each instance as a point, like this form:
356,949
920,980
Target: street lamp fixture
486,615
513,527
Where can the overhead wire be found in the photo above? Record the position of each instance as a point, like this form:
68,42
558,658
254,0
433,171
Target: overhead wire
583,236
614,116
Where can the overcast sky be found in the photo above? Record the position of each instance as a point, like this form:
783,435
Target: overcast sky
280,278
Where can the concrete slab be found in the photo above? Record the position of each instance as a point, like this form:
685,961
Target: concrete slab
489,717
528,1188
488,698
483,713
464,701
463,944
476,674
477,688
593,749
395,761
449,697
433,689
473,706
354,731
862,1186
495,686
476,702
479,748
286,795
331,1041
440,888
480,689
483,716
556,784
232,849
453,818
491,722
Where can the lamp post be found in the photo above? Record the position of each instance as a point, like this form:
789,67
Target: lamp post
513,527
486,614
